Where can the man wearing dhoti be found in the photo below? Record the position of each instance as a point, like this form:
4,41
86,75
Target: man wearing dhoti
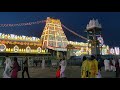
107,65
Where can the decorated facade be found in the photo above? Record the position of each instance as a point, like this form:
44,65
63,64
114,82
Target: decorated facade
81,48
10,43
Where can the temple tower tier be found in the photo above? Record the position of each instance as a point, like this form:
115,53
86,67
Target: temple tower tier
53,36
93,30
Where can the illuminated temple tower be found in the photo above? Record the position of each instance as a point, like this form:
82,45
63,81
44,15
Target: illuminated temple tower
93,30
53,36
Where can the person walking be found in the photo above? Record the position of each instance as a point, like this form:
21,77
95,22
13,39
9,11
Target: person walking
85,68
113,61
3,63
93,67
8,66
99,68
15,68
111,64
58,72
25,69
117,68
107,64
63,65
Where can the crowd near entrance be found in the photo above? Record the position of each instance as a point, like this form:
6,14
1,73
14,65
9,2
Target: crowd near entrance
90,66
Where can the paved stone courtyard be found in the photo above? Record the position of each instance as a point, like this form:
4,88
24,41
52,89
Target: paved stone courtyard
71,72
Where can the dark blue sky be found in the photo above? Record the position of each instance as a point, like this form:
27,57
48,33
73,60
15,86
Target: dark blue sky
76,21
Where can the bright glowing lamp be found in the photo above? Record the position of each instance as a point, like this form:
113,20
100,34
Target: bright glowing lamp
0,34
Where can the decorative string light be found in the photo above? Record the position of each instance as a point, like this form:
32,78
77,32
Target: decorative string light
22,24
74,32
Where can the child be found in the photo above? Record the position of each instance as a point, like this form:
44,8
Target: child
58,72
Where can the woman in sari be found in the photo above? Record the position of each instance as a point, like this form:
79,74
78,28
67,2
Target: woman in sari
15,68
63,67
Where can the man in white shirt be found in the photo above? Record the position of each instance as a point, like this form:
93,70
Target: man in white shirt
8,65
107,65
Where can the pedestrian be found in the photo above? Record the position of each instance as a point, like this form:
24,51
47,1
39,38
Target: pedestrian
111,64
25,69
119,61
58,72
84,58
117,68
3,63
15,68
63,65
113,68
8,67
85,71
107,64
100,63
93,67
99,69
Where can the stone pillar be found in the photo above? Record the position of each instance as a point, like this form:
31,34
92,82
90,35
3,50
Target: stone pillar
43,63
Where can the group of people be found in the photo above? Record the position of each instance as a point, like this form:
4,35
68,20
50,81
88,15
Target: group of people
11,69
112,64
90,68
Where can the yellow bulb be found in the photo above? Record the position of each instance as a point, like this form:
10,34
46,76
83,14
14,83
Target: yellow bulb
9,49
44,51
6,49
20,50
